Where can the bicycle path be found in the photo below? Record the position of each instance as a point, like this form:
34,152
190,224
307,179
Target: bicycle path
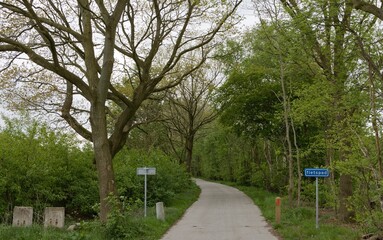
221,213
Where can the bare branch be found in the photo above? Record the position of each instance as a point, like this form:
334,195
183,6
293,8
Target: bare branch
65,113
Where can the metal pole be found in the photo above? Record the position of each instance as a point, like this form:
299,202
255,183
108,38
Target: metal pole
317,203
145,194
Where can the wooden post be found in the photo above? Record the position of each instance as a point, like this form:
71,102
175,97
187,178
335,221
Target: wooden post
277,210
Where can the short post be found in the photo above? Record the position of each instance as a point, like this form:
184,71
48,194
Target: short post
278,210
160,211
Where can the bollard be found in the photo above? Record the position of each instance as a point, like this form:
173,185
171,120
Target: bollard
277,210
160,211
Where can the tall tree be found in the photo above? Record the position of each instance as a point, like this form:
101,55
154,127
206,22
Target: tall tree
189,109
81,50
369,43
329,44
257,97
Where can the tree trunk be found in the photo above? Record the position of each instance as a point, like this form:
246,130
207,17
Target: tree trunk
103,159
286,113
298,165
345,191
375,127
345,179
374,122
189,152
269,160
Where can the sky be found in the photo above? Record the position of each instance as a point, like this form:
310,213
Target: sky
4,112
246,10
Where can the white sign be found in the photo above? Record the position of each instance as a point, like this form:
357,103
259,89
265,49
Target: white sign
146,171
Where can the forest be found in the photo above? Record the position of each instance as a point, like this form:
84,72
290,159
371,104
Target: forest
301,88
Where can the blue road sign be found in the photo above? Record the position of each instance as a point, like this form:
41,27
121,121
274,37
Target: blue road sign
317,172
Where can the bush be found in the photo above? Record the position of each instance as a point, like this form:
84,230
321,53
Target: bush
40,168
169,180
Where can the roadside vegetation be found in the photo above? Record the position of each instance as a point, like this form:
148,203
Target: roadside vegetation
122,226
298,223
301,89
42,168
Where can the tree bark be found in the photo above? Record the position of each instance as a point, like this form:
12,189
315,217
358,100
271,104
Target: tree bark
286,117
299,170
345,191
189,152
269,160
103,157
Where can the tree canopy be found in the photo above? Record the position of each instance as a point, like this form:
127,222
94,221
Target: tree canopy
69,57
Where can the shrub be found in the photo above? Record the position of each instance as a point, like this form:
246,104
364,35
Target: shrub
170,178
40,168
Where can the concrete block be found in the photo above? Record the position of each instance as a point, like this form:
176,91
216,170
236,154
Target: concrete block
160,211
22,216
54,217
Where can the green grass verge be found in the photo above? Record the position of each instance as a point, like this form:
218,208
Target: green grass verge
299,223
132,228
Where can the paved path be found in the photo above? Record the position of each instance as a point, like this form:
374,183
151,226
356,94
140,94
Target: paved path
221,213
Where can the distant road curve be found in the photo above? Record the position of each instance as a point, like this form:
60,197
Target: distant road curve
221,213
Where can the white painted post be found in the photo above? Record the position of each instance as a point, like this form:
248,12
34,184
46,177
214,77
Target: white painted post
317,203
145,193
160,211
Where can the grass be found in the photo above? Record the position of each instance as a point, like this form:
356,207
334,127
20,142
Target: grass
37,232
132,228
296,223
299,223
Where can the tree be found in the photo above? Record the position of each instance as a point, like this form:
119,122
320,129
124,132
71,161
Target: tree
256,100
331,48
369,44
71,56
188,108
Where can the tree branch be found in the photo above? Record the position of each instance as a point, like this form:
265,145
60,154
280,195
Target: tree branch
368,7
65,114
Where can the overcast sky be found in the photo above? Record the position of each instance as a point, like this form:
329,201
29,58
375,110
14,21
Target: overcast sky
246,10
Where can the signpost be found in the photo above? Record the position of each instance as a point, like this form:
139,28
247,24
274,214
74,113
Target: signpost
317,173
146,171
